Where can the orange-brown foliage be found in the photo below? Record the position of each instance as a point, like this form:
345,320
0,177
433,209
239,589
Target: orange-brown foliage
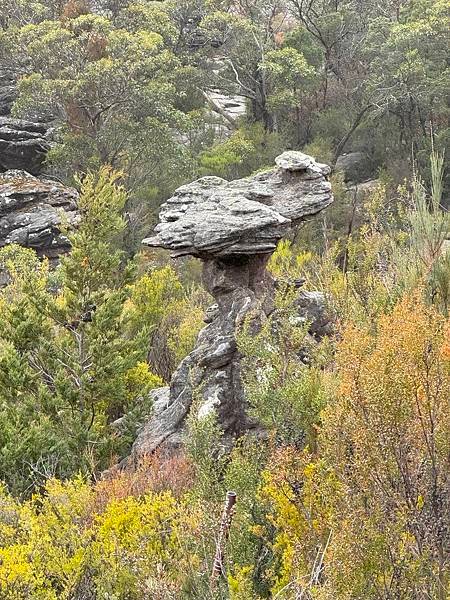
77,118
279,38
155,473
96,47
74,9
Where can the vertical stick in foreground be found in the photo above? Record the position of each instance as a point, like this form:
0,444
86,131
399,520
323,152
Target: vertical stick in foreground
227,516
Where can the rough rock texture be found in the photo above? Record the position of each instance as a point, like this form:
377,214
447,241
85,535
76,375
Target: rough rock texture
234,106
31,207
234,228
31,210
312,309
8,91
23,144
229,108
212,218
356,166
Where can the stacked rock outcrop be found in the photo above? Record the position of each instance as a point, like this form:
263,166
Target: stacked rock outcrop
32,206
233,227
31,212
23,144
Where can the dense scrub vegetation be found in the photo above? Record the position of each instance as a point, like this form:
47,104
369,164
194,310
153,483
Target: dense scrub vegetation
347,497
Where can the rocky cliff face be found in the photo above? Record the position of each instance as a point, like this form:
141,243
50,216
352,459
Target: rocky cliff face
233,227
23,144
32,207
31,211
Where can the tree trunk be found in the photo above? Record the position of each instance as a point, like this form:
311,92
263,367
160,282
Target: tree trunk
356,123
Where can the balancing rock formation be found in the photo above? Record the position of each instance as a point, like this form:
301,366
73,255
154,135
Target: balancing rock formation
233,227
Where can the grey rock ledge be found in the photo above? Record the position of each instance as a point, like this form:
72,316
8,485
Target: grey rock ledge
32,210
212,218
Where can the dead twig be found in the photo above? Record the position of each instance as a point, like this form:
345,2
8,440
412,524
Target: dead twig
227,516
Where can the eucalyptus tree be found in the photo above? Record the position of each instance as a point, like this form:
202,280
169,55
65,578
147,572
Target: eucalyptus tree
243,35
117,92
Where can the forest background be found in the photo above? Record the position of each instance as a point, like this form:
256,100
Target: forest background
348,497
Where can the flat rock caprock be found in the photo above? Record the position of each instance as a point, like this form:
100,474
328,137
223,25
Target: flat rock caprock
212,217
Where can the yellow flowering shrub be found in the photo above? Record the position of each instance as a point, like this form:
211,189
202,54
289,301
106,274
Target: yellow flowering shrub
188,319
286,263
64,540
139,379
359,514
366,516
152,296
240,584
134,539
297,489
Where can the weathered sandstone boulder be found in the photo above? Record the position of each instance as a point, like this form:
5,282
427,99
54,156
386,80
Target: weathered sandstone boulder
212,218
31,212
23,144
356,166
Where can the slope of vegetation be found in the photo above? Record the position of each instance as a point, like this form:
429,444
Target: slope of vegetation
347,496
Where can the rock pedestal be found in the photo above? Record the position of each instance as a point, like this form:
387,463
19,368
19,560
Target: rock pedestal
233,227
